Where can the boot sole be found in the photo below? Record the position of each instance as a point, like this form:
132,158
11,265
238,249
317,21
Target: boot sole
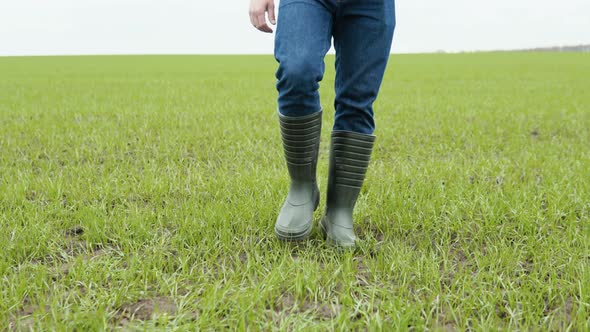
299,236
293,237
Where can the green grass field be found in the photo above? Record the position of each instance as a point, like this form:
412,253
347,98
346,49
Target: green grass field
140,192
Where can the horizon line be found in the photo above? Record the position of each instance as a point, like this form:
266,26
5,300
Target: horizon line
563,48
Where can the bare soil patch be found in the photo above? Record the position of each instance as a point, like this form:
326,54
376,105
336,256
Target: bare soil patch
145,309
288,304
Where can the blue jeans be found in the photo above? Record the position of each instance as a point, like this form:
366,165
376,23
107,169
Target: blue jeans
362,32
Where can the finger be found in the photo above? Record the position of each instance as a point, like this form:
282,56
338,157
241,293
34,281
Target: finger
262,26
254,20
271,13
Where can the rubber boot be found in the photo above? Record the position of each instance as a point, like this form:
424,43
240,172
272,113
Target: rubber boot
349,158
301,141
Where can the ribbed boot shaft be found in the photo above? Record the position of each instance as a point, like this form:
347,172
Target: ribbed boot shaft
349,159
301,138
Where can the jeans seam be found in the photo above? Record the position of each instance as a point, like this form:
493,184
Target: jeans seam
325,42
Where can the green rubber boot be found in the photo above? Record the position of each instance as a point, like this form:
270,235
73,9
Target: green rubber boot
349,158
301,141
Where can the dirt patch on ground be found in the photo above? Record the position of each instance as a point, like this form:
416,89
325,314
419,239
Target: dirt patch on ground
458,260
568,308
285,302
75,231
288,304
23,320
458,255
63,269
243,257
370,231
145,309
74,247
445,319
562,312
363,274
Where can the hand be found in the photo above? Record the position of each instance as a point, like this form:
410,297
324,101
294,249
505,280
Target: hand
257,10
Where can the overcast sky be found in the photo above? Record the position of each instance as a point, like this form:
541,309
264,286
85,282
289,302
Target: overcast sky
35,27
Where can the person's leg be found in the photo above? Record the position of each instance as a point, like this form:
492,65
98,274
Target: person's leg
363,31
303,37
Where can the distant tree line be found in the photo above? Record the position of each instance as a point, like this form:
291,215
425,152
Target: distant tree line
570,48
575,48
